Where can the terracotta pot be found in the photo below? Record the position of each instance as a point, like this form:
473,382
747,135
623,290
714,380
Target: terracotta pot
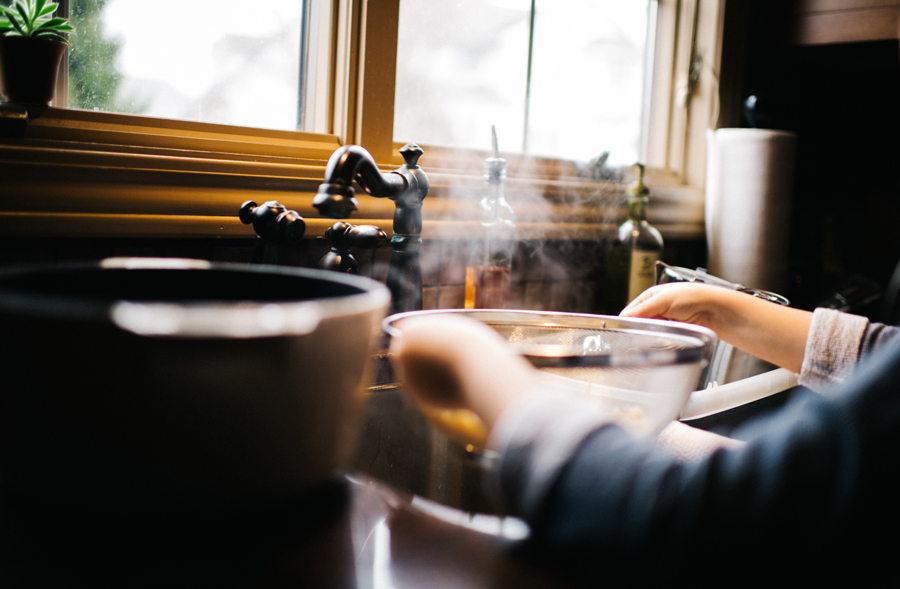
28,69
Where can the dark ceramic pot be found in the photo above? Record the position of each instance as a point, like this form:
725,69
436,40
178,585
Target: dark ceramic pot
28,69
155,381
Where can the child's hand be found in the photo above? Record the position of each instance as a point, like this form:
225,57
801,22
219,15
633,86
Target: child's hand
768,330
455,362
689,302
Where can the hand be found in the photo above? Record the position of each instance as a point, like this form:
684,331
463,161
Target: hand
765,329
455,362
689,302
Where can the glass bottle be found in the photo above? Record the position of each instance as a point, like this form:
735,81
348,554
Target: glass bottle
631,261
489,269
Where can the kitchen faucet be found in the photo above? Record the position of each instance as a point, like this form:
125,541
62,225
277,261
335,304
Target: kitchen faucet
407,186
343,236
275,226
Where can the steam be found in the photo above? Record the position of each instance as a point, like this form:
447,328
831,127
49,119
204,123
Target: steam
548,266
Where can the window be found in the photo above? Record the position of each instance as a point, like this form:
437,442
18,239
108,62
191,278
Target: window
557,79
356,89
235,65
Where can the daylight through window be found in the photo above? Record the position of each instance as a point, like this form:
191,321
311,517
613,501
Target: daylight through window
236,64
557,79
463,67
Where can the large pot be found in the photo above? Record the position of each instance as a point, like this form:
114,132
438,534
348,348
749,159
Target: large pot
154,381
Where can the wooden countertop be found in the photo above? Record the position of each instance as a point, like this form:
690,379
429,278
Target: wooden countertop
353,533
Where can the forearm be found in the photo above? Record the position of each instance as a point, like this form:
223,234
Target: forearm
814,484
769,331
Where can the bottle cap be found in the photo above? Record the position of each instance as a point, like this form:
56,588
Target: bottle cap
638,188
494,166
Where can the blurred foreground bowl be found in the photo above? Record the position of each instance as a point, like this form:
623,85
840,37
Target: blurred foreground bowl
152,381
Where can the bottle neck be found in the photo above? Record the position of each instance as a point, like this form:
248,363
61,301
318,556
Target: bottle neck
637,208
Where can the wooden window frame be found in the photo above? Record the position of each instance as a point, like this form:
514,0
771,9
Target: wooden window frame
85,173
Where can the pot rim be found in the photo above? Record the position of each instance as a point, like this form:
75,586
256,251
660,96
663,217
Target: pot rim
18,39
194,318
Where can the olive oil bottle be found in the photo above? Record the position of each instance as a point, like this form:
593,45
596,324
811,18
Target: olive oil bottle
489,269
631,259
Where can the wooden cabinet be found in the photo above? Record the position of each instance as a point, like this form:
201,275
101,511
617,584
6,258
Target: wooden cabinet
820,22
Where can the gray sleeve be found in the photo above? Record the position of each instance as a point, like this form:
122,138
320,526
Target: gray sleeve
836,343
534,439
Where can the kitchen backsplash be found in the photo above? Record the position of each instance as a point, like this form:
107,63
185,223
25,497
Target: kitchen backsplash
547,275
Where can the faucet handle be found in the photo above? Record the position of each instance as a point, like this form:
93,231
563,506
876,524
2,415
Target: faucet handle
411,153
343,236
273,221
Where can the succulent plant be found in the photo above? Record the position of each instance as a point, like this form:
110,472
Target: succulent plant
34,18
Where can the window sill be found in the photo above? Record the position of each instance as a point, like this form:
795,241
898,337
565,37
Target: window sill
87,174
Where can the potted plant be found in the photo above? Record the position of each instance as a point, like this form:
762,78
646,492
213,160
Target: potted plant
31,46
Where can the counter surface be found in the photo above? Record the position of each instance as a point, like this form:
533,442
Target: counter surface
354,533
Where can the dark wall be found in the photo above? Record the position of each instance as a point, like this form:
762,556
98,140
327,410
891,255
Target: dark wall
547,275
843,101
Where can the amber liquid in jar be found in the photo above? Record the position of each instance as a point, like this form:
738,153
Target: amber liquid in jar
487,287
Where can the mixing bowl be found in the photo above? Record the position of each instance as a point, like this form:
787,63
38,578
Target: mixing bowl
152,381
638,372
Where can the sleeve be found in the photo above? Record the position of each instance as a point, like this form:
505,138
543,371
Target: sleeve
813,485
534,439
836,343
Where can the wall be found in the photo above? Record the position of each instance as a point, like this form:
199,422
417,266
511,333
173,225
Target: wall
841,99
547,275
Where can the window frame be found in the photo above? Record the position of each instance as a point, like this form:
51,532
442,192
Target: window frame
81,173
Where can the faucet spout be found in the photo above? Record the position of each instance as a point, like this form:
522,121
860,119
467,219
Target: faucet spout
336,198
407,186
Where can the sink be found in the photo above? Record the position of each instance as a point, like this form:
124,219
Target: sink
719,398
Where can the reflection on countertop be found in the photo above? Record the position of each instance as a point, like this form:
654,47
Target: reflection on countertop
399,446
353,532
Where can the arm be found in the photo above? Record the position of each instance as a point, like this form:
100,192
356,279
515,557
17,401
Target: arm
815,481
772,332
805,492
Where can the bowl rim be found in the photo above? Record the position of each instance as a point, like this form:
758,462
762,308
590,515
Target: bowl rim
547,356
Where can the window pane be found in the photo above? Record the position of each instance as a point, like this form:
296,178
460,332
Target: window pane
236,63
461,67
464,67
588,79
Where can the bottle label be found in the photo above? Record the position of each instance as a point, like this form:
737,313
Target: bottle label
643,272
